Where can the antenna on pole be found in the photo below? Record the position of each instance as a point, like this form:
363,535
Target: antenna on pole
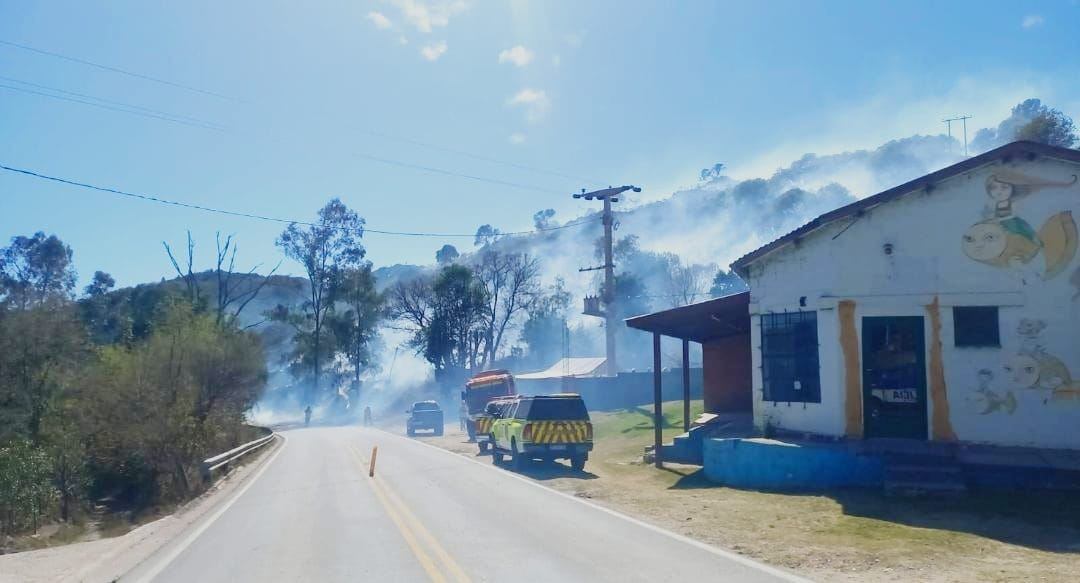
948,127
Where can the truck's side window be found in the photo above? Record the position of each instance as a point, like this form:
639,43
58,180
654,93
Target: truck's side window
522,410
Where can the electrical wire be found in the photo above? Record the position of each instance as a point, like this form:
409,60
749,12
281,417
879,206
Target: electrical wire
157,199
479,157
114,69
195,120
112,108
445,172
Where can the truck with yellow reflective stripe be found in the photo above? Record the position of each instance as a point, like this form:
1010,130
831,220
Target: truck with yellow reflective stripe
545,427
481,389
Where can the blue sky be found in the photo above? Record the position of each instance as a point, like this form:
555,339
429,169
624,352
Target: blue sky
613,92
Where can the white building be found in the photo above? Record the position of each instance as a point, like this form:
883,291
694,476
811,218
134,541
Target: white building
947,308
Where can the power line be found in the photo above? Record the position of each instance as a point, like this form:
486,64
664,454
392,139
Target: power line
122,107
110,107
186,120
480,157
157,112
457,174
114,69
152,198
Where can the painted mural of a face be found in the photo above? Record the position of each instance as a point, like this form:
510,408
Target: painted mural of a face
998,190
991,242
1012,242
1007,186
1022,370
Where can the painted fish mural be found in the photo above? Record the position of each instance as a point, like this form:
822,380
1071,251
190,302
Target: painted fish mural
1039,370
1012,242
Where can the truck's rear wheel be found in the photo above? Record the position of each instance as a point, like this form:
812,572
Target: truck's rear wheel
517,458
438,431
484,446
577,462
496,456
410,431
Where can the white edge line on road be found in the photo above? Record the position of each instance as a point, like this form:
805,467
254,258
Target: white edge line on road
167,559
682,538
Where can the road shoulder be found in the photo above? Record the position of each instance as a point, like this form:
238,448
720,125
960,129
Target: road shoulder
110,558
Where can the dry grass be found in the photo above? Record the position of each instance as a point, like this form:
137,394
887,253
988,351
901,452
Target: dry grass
843,535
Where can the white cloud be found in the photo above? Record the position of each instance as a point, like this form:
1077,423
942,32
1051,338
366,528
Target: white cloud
402,40
517,138
556,61
1032,20
380,20
426,16
535,102
432,52
519,56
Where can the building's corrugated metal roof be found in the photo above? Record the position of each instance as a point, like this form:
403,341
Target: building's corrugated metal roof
1015,149
567,367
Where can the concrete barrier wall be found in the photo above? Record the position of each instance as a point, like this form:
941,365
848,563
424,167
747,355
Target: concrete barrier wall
629,389
775,465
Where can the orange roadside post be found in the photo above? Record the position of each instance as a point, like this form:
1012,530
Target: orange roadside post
371,466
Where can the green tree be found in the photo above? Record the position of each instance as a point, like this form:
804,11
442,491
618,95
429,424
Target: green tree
446,318
545,326
725,283
446,254
325,248
356,326
34,270
1049,126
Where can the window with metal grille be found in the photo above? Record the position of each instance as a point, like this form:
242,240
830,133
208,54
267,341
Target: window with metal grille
789,357
975,326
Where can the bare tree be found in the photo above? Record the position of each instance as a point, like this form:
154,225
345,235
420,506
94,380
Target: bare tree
512,281
190,281
234,288
685,283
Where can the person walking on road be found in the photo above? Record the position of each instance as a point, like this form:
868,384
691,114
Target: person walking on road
307,416
367,416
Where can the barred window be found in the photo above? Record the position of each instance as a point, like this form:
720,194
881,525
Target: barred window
789,357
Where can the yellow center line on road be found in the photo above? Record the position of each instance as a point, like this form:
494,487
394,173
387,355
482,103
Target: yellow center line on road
410,539
447,560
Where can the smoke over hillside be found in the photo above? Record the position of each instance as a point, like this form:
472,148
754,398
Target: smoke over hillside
697,230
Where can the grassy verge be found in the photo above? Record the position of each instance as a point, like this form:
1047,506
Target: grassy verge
847,535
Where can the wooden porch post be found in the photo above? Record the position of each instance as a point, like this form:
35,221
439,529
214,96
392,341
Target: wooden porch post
686,385
658,416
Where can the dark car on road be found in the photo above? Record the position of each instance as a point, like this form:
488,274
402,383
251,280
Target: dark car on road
424,415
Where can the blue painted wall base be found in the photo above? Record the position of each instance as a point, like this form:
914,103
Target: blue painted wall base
775,465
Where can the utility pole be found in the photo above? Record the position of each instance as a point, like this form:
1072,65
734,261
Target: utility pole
592,307
948,127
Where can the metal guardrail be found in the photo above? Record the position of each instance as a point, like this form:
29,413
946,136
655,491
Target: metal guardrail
222,460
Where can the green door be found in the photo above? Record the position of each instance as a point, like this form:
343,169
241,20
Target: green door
894,377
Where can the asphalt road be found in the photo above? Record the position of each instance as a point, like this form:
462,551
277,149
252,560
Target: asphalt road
311,513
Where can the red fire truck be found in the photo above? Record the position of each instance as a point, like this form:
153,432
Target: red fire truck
481,388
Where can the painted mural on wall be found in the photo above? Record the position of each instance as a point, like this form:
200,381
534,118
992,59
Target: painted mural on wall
1005,239
987,400
1032,367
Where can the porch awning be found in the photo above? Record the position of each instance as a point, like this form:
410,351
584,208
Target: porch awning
701,322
